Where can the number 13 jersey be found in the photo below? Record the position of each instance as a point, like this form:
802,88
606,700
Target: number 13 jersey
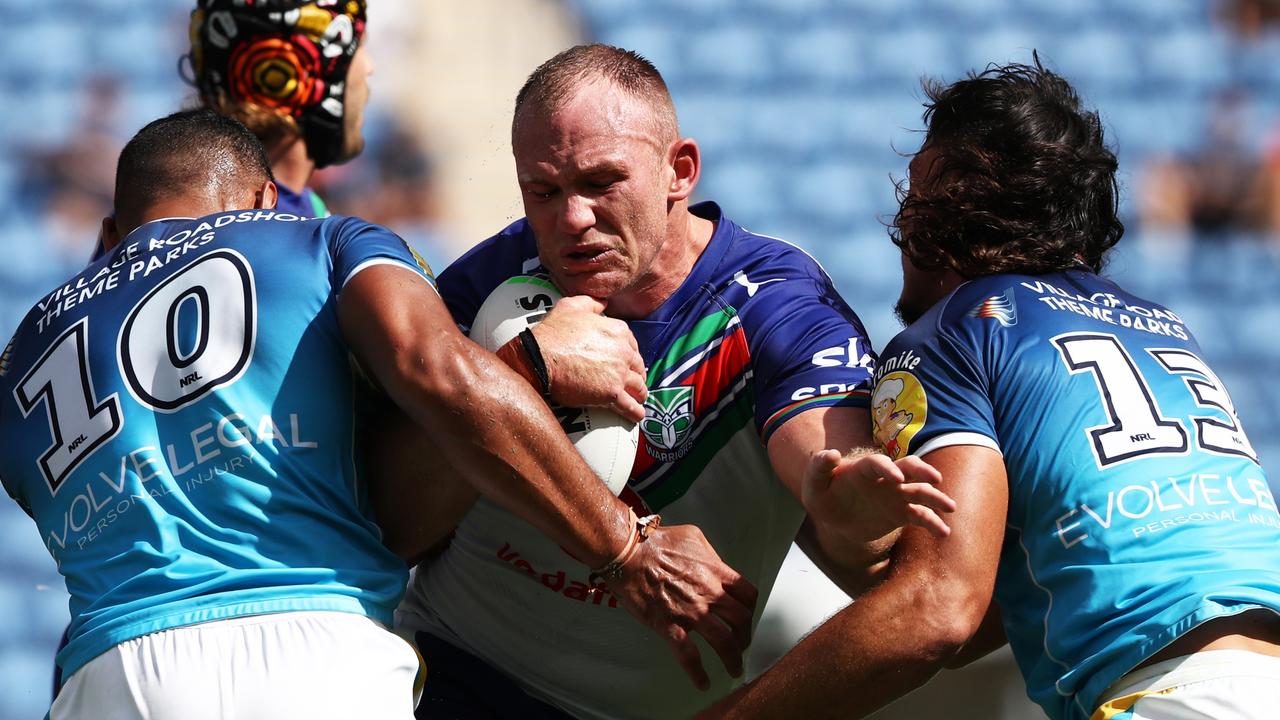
1137,508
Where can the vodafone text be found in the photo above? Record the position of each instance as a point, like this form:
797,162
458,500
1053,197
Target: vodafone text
558,582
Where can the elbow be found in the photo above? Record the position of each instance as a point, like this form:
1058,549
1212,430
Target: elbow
954,616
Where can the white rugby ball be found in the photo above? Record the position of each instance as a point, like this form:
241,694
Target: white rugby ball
605,439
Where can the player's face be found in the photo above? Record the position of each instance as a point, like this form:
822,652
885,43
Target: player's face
595,177
357,96
920,288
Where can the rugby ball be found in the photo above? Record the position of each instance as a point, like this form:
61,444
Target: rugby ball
606,440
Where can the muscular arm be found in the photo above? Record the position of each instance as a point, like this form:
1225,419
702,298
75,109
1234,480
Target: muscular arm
487,423
900,633
490,426
845,534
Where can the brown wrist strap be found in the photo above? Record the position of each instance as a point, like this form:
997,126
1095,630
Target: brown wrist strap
643,527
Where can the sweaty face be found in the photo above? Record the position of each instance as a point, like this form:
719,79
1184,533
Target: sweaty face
357,96
594,175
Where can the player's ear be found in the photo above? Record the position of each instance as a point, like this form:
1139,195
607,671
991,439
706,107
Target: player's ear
110,233
266,197
686,161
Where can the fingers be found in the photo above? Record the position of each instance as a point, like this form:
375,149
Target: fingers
626,405
737,614
686,652
585,303
925,517
818,475
724,641
928,496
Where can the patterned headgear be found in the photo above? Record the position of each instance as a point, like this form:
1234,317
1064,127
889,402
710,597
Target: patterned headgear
287,56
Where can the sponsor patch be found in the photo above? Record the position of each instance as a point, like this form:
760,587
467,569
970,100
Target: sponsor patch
898,410
1001,308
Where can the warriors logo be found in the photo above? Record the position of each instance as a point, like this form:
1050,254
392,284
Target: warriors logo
898,409
668,418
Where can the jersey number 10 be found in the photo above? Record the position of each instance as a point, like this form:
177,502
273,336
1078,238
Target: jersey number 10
213,299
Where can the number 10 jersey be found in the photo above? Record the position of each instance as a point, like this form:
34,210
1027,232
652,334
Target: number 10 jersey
178,421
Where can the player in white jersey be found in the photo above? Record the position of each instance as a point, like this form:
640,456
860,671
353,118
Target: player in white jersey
753,363
180,424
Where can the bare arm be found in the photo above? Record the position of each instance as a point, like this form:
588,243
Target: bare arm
853,519
488,424
900,633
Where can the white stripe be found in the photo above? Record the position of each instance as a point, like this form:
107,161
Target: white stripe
684,366
1048,611
384,261
957,438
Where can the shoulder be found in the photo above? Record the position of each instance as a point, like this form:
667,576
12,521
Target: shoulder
510,252
468,280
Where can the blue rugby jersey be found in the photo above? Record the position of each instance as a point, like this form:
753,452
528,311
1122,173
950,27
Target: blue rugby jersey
1137,507
754,336
178,422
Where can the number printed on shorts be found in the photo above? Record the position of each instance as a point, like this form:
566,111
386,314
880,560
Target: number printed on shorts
1137,427
192,333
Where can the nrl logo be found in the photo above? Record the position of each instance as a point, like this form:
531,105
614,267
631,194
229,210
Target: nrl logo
668,416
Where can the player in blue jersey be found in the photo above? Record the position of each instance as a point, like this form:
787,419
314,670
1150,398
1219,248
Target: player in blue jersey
754,362
295,72
1106,488
179,424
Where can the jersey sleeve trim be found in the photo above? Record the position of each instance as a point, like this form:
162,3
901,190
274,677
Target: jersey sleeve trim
385,261
957,438
852,398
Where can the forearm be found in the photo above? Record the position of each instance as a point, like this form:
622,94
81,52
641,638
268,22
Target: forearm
494,429
877,649
854,565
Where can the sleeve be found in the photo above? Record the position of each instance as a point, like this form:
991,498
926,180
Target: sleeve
469,280
355,245
931,392
808,350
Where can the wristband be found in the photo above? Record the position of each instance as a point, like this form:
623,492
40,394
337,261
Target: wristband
539,364
612,570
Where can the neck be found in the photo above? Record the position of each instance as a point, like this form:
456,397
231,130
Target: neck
290,163
687,236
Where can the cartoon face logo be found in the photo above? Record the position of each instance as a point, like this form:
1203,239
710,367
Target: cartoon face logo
898,411
668,416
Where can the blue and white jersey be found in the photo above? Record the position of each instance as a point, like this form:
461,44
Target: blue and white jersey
1137,507
178,421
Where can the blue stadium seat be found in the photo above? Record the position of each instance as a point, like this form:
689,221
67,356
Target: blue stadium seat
26,680
654,41
738,53
814,54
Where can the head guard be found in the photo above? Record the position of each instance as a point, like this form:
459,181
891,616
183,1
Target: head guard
289,57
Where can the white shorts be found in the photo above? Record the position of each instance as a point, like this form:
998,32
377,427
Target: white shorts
1209,685
313,665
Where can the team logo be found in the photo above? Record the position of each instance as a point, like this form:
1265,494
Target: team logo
668,417
898,410
1000,307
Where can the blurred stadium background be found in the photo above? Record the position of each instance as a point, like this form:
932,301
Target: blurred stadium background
802,108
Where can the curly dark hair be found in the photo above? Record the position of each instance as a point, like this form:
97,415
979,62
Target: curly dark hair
1019,178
